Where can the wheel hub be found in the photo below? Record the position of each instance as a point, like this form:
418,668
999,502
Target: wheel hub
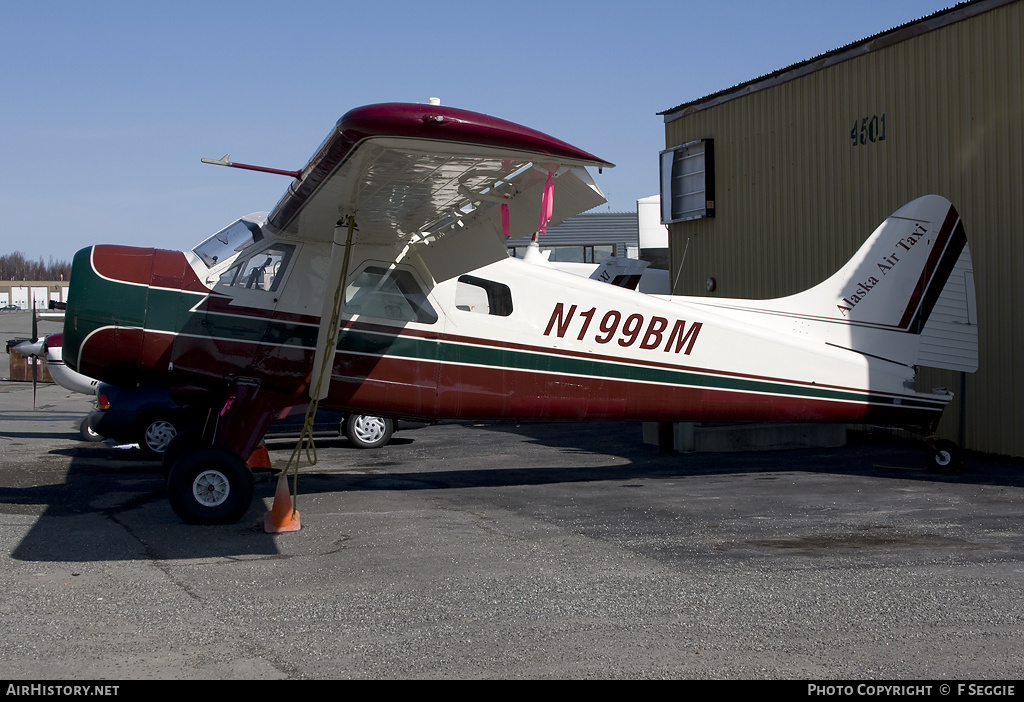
159,435
369,429
211,488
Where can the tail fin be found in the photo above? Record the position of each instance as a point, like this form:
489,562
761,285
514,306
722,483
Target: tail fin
907,295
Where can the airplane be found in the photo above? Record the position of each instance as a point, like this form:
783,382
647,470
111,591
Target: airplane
381,283
153,436
49,348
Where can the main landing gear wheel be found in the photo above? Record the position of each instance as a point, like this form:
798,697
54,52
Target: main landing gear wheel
366,432
209,485
944,456
186,439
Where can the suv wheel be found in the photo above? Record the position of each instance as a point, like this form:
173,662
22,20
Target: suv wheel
366,431
157,435
87,431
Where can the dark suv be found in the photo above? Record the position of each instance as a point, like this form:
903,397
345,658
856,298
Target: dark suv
150,417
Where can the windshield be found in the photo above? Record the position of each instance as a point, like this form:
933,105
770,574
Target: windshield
261,271
228,241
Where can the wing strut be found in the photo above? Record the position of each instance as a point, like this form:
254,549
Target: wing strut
326,345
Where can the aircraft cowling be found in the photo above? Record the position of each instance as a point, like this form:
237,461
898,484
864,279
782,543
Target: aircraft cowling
122,303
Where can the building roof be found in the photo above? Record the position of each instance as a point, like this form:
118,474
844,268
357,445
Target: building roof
942,18
593,228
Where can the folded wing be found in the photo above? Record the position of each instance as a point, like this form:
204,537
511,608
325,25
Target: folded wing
407,169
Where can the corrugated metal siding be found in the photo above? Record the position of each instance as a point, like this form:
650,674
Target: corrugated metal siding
795,198
593,228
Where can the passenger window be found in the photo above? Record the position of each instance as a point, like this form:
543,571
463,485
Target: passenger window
474,294
388,294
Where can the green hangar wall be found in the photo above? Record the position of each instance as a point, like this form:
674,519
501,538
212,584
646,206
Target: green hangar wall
807,161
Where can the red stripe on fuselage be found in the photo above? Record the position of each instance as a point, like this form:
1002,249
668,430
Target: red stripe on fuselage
589,356
112,355
474,392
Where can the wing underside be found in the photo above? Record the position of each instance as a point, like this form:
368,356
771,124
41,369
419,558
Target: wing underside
435,170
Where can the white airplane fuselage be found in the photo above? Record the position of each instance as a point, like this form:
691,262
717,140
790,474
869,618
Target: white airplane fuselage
565,347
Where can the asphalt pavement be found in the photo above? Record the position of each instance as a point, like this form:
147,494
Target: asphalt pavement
500,551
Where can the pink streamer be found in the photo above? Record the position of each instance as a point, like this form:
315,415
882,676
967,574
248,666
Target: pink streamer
547,203
505,228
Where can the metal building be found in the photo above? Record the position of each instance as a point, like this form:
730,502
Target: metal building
770,186
590,237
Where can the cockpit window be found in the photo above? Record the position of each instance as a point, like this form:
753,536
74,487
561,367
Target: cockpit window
388,294
228,242
261,271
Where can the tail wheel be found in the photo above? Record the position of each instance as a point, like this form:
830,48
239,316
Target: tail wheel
366,431
209,485
944,457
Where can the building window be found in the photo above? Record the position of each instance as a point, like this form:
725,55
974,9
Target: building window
688,181
571,254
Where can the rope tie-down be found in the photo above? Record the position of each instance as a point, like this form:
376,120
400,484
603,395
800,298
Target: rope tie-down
284,514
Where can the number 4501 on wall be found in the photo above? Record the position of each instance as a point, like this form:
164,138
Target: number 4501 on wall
868,130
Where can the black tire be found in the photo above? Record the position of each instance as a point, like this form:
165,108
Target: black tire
186,439
209,485
87,431
367,431
156,435
944,457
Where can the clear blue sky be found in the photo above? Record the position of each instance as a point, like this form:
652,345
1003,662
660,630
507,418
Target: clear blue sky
107,107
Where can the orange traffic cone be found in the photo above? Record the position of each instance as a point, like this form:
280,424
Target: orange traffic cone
259,459
281,516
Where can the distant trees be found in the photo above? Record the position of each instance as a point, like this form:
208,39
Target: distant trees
16,267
